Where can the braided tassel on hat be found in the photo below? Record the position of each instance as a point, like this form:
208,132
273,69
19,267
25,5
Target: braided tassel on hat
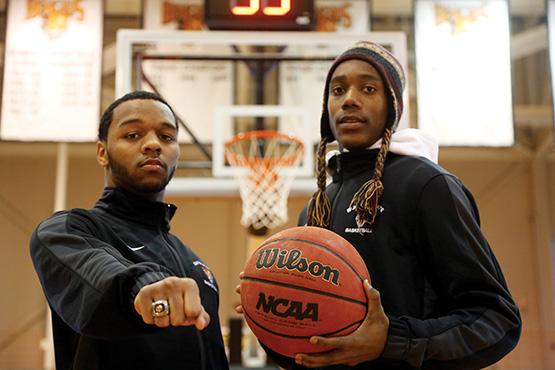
319,211
365,201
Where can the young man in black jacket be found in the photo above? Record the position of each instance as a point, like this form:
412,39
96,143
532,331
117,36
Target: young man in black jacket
438,298
124,292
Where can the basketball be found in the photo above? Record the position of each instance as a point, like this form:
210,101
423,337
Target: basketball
301,282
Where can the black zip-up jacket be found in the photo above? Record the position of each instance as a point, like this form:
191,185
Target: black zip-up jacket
439,282
92,263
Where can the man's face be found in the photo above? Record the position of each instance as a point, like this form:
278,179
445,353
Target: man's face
141,150
357,104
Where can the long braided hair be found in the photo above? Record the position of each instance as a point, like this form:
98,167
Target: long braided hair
365,201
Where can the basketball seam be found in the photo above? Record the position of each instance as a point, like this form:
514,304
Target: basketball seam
293,286
318,245
301,336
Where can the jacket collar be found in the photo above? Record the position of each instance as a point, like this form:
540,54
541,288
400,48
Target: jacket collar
132,207
349,164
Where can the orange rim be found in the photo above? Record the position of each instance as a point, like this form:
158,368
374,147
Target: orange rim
286,160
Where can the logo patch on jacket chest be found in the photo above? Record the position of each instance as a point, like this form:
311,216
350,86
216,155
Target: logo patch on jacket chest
209,277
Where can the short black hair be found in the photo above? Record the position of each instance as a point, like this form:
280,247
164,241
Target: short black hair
108,114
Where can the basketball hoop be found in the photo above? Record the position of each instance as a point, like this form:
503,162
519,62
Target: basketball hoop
265,163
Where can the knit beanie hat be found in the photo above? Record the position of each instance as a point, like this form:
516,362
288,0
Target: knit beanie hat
365,200
389,69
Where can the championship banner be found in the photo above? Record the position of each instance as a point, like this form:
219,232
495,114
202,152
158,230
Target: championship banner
52,70
463,70
194,88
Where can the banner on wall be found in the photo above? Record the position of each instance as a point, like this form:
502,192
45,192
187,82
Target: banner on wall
52,71
463,71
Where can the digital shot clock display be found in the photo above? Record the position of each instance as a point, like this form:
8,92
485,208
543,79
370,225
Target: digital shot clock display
264,15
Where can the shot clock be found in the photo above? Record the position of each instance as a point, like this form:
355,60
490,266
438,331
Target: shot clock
265,15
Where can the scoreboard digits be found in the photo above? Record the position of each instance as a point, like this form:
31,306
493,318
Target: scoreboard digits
264,15
254,7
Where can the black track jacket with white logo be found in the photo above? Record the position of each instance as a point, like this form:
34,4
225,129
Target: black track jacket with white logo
439,281
92,263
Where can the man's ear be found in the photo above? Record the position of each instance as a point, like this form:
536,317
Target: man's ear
102,154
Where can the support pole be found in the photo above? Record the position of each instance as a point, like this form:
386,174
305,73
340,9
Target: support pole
60,190
543,249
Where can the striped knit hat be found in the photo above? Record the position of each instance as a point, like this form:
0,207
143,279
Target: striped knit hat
389,69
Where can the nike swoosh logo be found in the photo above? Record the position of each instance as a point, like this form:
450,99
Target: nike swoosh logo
136,248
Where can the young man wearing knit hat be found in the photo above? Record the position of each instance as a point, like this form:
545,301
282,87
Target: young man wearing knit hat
438,298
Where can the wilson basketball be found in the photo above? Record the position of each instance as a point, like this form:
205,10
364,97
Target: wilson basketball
301,282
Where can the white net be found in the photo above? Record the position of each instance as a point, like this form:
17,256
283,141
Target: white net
265,163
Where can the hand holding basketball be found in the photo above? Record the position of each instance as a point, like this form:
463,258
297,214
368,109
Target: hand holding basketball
364,344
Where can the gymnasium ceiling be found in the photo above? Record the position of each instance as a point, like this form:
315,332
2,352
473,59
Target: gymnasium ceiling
379,7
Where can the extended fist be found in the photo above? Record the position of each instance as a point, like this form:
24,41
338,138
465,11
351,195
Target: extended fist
184,305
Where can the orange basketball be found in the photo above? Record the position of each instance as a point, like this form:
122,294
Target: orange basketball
301,282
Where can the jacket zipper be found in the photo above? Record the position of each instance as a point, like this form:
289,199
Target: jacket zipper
334,204
173,253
